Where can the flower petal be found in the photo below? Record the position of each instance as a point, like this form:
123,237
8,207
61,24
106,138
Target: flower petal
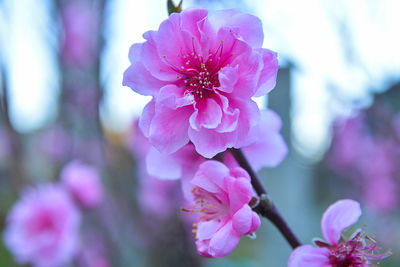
191,18
153,61
146,117
309,256
208,114
269,72
174,97
224,241
338,217
206,229
169,128
240,192
163,166
240,23
210,176
208,143
140,80
270,148
249,69
242,220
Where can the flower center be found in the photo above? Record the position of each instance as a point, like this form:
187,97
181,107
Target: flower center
207,204
199,74
355,252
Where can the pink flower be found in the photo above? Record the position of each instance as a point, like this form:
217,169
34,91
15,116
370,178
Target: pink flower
335,252
222,197
269,148
202,72
42,227
84,183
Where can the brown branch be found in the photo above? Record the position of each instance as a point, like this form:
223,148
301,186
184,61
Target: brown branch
266,207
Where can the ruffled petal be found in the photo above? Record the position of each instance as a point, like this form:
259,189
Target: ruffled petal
249,69
192,19
245,26
228,77
169,128
174,97
153,61
338,217
269,72
309,256
208,114
140,80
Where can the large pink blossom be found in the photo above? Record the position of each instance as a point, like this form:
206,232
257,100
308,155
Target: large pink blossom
335,251
202,72
221,196
83,181
42,227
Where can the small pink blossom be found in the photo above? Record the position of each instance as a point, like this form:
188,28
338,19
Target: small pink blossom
358,251
202,72
221,196
84,183
42,227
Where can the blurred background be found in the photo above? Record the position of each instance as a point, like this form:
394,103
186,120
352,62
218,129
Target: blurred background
338,93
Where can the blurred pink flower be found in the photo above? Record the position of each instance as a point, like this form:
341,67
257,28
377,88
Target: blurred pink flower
350,143
156,197
80,21
269,148
358,251
42,227
83,181
221,196
202,72
378,170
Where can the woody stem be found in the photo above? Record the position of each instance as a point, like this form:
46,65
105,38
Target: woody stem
266,207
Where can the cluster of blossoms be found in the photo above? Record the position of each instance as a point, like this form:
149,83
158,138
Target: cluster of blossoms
366,149
43,226
202,72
